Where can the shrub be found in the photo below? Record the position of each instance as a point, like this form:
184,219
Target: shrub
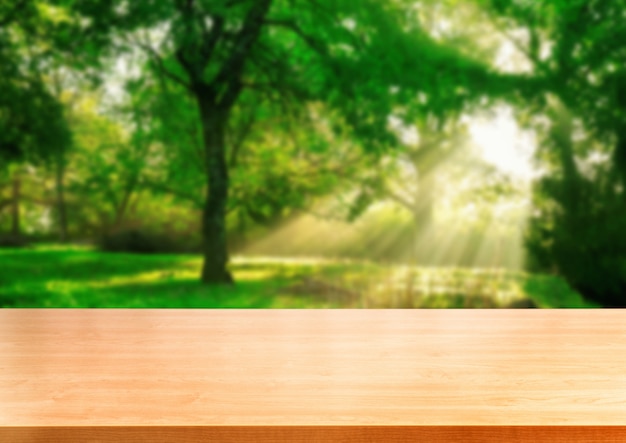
579,235
13,241
135,240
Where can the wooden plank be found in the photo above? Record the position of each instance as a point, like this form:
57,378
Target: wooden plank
312,373
315,434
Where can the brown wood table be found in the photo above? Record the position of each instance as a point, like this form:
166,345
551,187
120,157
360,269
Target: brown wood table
312,375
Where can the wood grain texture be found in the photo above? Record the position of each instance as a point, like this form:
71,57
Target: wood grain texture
316,434
347,371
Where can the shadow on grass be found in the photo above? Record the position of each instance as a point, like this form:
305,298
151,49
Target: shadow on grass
70,278
40,266
159,294
20,301
180,294
65,278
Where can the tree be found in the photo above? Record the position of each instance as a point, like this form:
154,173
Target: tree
411,178
577,227
279,158
580,87
30,118
364,61
107,165
32,124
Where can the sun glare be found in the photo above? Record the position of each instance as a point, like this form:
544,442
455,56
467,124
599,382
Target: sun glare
488,236
503,143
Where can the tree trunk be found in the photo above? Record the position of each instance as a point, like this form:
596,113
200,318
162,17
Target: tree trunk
122,208
215,99
619,160
422,224
561,132
214,268
60,190
417,231
15,206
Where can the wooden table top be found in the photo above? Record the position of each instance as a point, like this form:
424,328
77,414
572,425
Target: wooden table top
93,369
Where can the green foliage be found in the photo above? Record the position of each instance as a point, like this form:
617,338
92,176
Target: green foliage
358,63
580,235
154,224
32,125
571,47
578,70
358,59
303,92
279,161
577,227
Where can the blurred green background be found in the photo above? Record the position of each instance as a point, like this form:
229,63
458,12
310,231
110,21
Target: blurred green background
312,154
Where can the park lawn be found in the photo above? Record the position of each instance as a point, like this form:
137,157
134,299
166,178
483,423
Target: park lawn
52,276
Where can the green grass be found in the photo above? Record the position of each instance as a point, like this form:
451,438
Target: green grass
54,276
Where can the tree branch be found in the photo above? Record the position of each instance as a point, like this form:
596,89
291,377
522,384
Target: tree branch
293,26
532,53
158,60
241,136
272,86
399,199
210,38
159,187
230,72
346,87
